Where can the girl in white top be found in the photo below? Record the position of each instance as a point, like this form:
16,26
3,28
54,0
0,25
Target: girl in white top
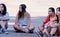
23,19
4,17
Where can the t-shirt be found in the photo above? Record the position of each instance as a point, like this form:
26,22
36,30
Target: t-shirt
47,19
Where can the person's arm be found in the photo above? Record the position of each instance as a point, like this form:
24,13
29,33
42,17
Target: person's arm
43,23
6,17
46,20
16,20
29,19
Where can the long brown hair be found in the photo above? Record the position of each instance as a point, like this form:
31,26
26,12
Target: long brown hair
21,14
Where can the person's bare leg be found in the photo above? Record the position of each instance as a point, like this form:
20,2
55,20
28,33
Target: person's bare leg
27,30
6,25
31,29
16,27
53,31
40,28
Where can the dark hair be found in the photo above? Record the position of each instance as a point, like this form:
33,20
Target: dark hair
57,15
21,14
57,19
58,8
5,10
52,9
23,7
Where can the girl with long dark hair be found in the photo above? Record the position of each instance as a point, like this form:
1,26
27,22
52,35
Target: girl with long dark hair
4,17
23,19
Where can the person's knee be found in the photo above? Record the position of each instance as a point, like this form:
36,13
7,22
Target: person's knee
32,28
40,28
15,27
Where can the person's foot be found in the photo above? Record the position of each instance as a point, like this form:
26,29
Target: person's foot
30,31
40,33
26,30
0,30
4,31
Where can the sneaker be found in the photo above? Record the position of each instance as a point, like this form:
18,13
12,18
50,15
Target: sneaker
40,33
30,31
0,30
4,31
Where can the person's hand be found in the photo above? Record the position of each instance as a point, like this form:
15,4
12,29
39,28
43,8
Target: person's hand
49,28
20,25
4,18
54,25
